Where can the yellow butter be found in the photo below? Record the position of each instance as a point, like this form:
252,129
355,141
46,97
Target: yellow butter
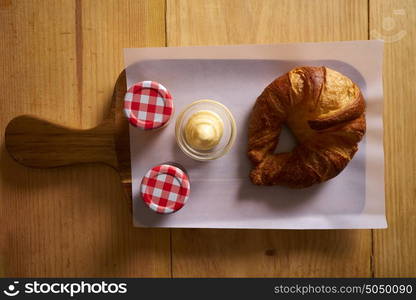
204,130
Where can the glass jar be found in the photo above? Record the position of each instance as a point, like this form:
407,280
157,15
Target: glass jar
227,139
165,188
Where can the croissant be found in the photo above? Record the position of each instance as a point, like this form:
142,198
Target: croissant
324,110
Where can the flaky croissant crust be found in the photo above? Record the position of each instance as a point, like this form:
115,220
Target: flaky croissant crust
324,110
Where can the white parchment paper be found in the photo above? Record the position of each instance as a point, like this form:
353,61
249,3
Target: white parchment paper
222,195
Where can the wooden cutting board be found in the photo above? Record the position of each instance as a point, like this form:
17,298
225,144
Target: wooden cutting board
38,143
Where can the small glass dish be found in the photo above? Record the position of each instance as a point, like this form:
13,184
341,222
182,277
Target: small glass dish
227,138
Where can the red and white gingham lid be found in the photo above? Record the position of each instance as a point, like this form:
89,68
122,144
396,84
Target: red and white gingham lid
165,188
148,105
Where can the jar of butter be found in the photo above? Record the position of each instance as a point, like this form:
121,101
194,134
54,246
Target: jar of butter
205,130
165,188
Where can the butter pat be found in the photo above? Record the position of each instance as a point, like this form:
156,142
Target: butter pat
204,130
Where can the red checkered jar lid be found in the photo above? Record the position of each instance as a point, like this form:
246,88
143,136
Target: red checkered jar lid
148,105
165,188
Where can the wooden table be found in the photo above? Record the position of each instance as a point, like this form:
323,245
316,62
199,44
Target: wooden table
59,60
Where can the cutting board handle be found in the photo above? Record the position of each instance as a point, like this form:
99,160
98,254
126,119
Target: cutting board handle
41,144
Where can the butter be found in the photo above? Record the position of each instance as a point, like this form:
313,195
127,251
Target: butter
204,130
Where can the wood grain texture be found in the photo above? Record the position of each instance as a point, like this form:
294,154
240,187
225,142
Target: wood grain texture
108,27
220,22
201,252
37,143
395,22
59,60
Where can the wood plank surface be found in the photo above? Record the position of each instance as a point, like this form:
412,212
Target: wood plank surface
202,252
395,22
59,60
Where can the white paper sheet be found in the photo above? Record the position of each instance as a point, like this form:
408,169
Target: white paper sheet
221,193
